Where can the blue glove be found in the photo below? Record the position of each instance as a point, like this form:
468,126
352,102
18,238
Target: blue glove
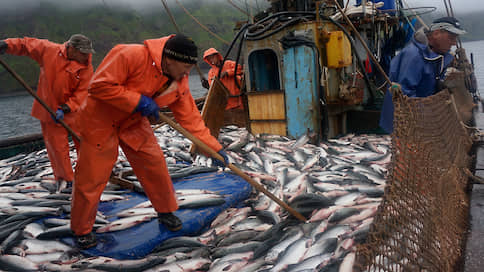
3,47
148,107
59,115
226,159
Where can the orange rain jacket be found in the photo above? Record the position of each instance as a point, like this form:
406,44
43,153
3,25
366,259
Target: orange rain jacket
61,81
229,67
109,120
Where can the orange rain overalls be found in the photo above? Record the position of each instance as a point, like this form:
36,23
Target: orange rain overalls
108,120
229,67
61,81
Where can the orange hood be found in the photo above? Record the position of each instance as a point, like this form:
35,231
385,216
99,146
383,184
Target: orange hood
155,47
209,52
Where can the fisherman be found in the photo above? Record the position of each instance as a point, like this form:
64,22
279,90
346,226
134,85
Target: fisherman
228,75
65,73
129,86
420,67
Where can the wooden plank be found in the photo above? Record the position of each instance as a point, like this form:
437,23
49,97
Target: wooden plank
236,117
270,127
214,108
268,106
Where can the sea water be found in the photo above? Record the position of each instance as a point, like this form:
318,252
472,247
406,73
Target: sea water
15,118
15,110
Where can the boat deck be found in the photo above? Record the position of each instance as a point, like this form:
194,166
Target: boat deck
474,255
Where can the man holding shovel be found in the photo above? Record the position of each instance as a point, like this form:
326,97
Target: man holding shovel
131,84
65,72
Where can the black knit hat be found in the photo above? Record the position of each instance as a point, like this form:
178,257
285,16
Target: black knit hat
181,48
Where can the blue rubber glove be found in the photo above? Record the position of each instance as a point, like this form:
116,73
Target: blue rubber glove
226,159
148,107
59,115
3,47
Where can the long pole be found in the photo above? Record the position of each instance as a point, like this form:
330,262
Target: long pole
27,87
375,61
202,78
205,148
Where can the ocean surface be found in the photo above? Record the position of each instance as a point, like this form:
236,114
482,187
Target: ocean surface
15,119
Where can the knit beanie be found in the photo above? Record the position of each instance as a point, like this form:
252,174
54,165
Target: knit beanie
181,48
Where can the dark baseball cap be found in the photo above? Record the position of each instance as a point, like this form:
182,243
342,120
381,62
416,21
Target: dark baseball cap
450,24
82,43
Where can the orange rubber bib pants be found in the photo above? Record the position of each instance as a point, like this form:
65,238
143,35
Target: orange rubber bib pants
228,80
109,121
61,81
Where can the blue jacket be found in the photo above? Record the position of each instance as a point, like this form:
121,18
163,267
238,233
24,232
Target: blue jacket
417,69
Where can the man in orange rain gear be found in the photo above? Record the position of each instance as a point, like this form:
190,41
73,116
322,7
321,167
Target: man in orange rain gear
132,83
65,72
227,76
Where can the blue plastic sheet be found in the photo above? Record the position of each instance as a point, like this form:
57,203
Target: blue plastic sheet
138,241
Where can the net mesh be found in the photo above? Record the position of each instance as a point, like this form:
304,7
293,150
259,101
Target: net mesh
421,223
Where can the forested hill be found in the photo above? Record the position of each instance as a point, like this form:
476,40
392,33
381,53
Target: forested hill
108,26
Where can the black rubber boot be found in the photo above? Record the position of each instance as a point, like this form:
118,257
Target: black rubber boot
170,221
86,241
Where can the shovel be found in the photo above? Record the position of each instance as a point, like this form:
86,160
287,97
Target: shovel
205,148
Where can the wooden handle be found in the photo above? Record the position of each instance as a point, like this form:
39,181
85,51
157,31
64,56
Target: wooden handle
205,148
27,87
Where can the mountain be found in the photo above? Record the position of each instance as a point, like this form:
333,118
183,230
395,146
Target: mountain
108,26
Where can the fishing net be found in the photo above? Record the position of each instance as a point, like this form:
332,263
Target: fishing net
423,217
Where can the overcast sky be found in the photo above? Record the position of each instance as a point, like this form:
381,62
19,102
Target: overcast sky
460,6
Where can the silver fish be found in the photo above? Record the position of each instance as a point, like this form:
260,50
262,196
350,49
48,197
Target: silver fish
193,264
17,263
124,223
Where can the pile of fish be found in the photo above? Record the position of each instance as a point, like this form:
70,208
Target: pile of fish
337,185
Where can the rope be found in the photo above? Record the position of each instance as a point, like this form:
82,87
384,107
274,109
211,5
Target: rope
475,178
241,10
416,15
201,25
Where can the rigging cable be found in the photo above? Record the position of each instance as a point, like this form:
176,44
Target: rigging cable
242,30
239,9
289,17
200,24
416,16
202,78
450,12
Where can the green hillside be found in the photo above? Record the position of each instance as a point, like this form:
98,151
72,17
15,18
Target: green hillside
107,27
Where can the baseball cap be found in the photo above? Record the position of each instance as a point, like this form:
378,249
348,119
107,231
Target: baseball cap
82,43
450,24
181,48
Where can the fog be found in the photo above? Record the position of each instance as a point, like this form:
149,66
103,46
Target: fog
21,6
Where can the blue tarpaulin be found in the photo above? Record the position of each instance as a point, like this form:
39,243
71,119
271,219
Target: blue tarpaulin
138,241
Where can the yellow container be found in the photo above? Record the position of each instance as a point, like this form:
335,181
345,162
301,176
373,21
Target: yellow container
338,50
